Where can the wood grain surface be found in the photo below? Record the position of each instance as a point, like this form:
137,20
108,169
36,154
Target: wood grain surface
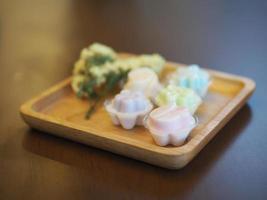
59,112
40,41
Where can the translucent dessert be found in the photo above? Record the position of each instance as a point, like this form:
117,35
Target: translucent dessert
192,77
170,125
128,108
178,96
144,80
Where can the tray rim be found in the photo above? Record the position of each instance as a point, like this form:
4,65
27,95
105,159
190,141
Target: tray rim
27,111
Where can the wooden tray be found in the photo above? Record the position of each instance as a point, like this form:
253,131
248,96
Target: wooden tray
60,112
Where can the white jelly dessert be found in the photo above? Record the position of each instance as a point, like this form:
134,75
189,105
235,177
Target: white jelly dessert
170,125
144,80
192,77
128,108
179,96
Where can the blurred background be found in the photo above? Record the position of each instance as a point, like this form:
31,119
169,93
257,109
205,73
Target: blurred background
223,34
41,39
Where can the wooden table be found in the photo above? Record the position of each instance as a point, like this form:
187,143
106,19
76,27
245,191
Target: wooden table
39,42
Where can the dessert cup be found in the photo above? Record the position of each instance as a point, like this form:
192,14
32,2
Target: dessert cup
170,125
144,80
179,96
128,108
192,77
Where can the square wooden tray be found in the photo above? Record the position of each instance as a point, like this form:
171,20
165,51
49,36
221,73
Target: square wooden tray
58,111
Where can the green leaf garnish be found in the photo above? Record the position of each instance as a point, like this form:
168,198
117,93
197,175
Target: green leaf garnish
98,60
112,80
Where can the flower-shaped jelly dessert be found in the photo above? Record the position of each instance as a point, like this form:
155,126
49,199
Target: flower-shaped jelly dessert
144,80
179,96
170,125
128,108
192,77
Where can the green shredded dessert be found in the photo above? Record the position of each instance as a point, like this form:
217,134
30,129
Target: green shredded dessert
99,70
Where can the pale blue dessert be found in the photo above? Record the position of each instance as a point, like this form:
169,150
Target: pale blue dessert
192,77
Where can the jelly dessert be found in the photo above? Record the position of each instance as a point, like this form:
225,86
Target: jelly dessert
170,125
128,108
192,77
179,96
144,80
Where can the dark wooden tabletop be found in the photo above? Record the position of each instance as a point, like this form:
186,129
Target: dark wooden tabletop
39,42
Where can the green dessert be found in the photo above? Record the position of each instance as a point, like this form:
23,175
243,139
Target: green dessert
179,96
